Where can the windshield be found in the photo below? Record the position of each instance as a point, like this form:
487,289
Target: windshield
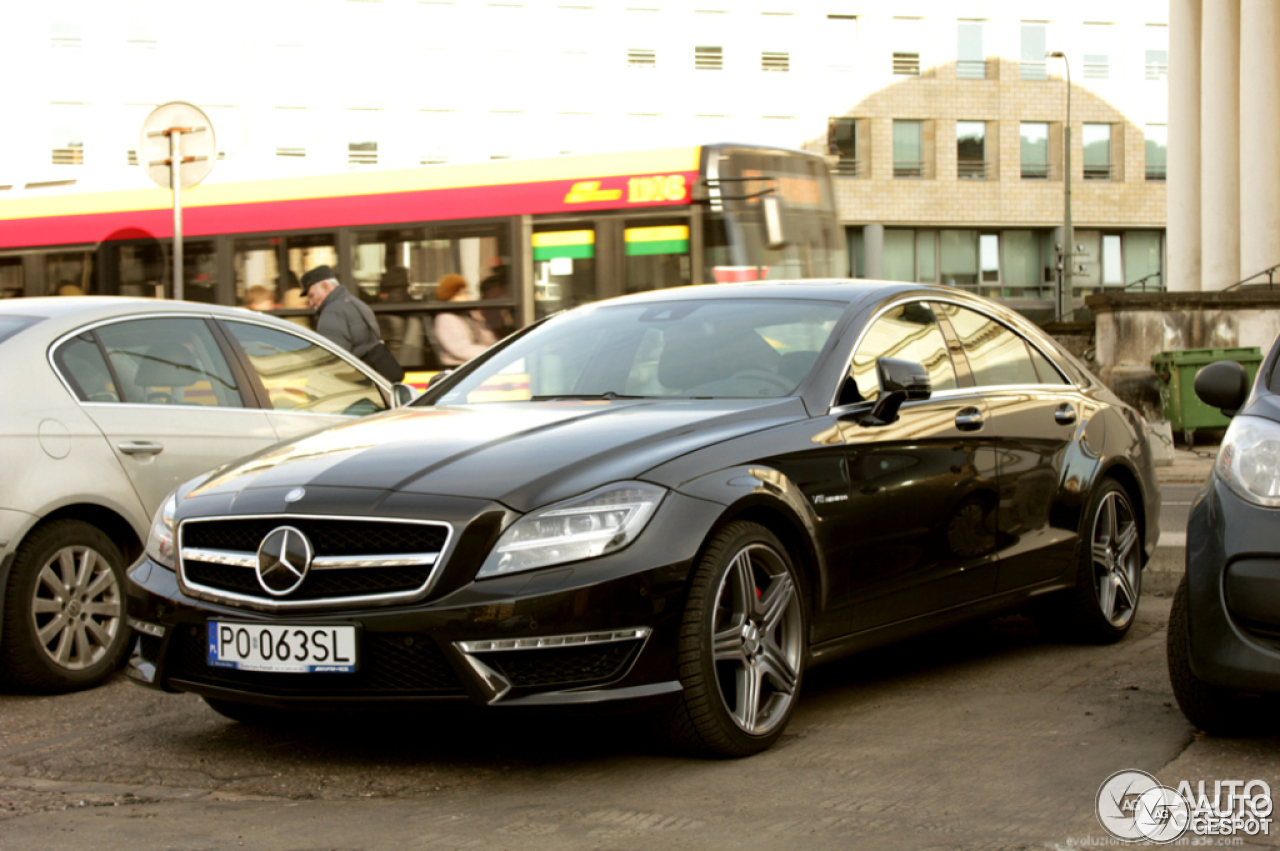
10,325
717,348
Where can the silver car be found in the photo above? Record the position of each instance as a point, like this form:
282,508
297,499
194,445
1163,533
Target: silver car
108,405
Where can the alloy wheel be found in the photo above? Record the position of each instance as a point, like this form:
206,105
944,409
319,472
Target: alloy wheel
757,639
77,607
1117,569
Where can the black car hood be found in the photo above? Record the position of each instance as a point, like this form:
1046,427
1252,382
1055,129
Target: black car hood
523,455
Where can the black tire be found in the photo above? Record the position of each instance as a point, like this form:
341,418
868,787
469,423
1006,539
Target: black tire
66,584
1102,606
1215,710
763,646
249,714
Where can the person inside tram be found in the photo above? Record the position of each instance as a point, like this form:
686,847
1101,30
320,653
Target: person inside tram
462,334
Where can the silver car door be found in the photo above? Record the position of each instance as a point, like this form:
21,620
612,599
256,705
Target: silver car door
181,411
310,386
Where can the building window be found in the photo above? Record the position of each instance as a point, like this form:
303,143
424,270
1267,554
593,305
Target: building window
841,37
908,148
1143,267
65,38
1035,150
775,61
1157,137
843,139
1157,52
1097,151
1099,48
906,64
640,57
908,38
708,58
971,61
297,152
362,154
1032,65
68,146
971,150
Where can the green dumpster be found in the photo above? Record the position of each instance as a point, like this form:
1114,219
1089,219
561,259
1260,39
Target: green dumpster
1176,372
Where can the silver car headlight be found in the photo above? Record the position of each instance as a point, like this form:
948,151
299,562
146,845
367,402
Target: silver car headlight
160,542
1249,460
600,522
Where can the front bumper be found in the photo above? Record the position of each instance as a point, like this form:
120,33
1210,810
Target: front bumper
603,630
1233,585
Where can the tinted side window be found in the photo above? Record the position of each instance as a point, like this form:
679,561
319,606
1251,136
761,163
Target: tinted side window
909,332
80,361
170,362
996,354
1045,368
302,376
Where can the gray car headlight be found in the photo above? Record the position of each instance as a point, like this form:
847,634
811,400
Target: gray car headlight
600,522
160,543
1249,460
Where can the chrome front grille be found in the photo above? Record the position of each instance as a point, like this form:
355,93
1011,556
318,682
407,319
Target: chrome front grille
353,560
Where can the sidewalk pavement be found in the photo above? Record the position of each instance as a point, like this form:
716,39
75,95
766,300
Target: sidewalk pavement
1189,467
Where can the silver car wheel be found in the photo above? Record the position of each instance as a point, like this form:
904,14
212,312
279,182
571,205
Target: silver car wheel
77,607
1117,568
757,640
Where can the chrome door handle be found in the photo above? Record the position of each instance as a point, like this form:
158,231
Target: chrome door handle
969,419
140,447
1064,415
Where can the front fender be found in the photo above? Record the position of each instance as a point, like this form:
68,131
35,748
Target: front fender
765,494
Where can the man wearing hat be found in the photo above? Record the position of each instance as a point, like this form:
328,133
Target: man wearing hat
347,321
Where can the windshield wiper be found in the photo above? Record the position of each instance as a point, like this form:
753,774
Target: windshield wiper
568,397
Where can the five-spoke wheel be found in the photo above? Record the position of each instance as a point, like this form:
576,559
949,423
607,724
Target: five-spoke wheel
742,645
1117,566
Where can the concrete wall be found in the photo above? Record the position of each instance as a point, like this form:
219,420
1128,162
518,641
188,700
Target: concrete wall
1131,327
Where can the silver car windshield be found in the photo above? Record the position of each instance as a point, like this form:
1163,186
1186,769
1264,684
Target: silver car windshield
713,348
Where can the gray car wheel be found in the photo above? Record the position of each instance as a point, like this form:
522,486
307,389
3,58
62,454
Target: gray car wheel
742,646
1102,605
64,619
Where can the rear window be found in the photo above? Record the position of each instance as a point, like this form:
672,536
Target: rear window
10,325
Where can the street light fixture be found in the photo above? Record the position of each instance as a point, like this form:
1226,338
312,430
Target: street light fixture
1065,308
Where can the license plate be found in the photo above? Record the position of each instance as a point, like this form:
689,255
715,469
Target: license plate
282,649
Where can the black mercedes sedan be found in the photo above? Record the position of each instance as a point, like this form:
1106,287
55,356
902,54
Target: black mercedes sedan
1224,627
675,501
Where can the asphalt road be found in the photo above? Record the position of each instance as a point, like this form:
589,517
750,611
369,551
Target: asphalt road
984,737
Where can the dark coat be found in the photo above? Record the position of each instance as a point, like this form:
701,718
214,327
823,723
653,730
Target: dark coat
348,321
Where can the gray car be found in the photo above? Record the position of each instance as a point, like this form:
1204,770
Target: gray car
109,404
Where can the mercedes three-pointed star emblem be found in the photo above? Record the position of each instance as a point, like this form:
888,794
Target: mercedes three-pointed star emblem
284,557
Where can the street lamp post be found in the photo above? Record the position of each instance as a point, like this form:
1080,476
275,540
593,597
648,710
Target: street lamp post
1066,294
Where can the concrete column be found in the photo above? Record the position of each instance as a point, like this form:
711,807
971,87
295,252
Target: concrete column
1260,109
1220,145
873,251
1183,180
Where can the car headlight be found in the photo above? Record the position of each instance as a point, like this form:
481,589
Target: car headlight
600,522
1249,460
160,544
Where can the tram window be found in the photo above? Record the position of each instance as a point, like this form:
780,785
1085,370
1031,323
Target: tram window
11,279
277,264
70,273
200,272
142,269
564,267
395,266
656,254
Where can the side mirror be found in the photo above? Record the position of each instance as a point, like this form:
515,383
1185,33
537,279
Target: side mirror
775,237
402,394
900,381
1223,385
